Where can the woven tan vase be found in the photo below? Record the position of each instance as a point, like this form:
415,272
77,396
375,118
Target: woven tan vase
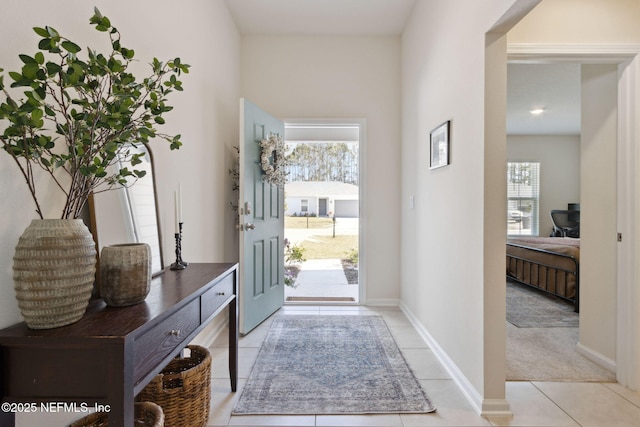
53,272
125,273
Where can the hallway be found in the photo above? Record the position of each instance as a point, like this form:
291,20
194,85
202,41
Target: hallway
538,404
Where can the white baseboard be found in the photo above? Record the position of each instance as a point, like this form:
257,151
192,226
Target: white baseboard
383,302
496,408
596,357
484,407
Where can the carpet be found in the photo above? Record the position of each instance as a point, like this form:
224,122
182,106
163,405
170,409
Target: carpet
312,364
542,334
528,308
549,354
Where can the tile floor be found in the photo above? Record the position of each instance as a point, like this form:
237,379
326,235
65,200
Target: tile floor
539,404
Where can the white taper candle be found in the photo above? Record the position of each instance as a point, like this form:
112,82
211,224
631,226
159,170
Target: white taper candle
180,202
175,203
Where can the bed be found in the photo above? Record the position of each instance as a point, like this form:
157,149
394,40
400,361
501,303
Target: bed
550,264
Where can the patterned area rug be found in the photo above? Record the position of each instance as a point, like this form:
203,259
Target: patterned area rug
527,308
311,364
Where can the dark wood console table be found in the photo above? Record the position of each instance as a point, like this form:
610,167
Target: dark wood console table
109,355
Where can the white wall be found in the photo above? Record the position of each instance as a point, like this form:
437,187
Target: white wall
559,157
584,22
448,275
206,114
296,77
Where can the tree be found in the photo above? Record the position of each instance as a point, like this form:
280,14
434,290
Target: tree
323,161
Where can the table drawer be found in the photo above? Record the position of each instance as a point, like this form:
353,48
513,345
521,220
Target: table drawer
155,344
216,296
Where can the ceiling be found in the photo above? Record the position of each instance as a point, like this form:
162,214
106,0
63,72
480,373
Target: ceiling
555,87
552,87
321,17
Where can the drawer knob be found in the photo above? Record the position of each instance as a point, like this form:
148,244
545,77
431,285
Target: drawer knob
220,293
175,332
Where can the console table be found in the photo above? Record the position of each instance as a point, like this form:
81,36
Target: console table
108,356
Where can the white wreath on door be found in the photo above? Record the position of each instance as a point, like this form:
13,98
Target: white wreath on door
273,160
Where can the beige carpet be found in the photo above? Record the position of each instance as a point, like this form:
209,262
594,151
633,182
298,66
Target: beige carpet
548,354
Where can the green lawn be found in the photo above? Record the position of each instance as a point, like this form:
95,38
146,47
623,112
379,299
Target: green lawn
324,247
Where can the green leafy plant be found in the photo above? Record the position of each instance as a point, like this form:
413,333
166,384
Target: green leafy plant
79,117
352,255
293,253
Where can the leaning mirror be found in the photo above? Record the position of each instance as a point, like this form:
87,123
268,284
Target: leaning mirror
130,214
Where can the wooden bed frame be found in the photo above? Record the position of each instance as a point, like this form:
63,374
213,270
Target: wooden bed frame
546,275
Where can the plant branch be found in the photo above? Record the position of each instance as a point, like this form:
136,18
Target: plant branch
95,105
27,173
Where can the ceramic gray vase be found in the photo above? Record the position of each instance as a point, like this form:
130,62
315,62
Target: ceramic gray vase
125,273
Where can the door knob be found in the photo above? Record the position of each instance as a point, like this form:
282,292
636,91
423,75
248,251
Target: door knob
249,226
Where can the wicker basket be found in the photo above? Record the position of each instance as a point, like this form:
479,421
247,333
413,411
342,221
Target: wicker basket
183,389
147,414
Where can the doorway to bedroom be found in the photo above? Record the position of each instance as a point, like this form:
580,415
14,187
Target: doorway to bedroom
322,213
577,167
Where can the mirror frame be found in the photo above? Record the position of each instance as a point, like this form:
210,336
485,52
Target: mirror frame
94,226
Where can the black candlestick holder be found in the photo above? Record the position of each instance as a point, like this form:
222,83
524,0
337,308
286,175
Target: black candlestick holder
179,264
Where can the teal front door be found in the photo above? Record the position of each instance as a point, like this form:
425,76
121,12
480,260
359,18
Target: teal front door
261,211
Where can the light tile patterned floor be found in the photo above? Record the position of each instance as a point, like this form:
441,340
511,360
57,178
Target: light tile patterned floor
533,403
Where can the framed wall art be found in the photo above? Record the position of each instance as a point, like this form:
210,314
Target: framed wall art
440,145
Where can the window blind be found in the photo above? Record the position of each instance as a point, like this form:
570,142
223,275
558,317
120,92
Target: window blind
523,198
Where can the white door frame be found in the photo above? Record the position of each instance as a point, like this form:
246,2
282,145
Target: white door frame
362,200
628,204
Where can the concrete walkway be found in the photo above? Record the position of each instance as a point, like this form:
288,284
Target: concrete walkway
321,278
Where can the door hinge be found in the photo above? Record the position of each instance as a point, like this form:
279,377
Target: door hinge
619,237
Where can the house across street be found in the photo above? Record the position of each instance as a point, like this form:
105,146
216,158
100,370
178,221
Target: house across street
321,198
